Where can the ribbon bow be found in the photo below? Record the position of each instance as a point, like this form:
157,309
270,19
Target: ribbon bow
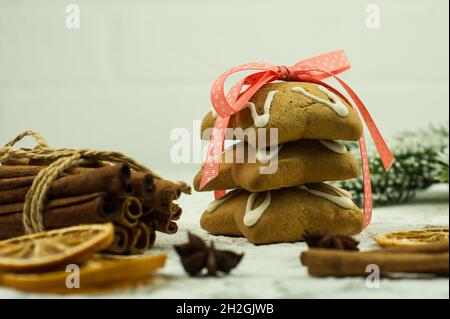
312,70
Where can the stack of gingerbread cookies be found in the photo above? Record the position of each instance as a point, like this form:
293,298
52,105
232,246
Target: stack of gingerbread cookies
292,200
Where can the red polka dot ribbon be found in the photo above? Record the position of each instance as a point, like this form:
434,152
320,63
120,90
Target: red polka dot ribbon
312,70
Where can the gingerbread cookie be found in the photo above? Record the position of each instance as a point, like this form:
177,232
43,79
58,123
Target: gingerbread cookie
298,110
285,215
222,221
299,162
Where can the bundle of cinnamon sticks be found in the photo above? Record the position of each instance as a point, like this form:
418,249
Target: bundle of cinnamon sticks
421,259
138,203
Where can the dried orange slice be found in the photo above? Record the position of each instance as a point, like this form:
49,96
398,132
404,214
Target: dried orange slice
98,273
413,237
41,251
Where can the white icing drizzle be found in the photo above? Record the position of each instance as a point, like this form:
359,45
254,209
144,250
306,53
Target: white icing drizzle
216,203
337,105
263,119
334,146
231,147
344,192
263,157
342,201
252,216
338,190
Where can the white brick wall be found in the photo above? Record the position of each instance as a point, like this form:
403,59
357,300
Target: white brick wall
136,69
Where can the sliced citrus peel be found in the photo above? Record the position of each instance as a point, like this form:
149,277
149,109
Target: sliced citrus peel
50,249
98,273
413,237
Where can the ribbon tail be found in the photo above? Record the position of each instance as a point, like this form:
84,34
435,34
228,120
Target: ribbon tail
383,150
215,148
367,183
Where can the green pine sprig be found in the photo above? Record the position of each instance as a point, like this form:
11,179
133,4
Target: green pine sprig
421,160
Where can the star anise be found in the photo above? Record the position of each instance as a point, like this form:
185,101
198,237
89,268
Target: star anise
331,242
197,255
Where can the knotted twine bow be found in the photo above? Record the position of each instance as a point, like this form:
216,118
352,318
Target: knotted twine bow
312,70
64,159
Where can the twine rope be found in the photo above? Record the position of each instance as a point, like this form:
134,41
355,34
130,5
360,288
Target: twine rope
63,159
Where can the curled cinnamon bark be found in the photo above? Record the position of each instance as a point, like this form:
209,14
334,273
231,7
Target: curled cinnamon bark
140,237
132,208
166,225
171,228
176,213
130,212
121,240
161,208
163,222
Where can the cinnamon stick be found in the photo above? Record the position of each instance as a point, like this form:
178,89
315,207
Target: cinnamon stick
162,221
22,161
11,171
133,208
64,212
19,176
165,193
15,161
176,213
16,182
121,240
140,238
112,179
130,212
326,262
165,225
165,222
143,185
171,228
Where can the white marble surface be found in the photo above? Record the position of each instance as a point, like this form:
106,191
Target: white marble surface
274,271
